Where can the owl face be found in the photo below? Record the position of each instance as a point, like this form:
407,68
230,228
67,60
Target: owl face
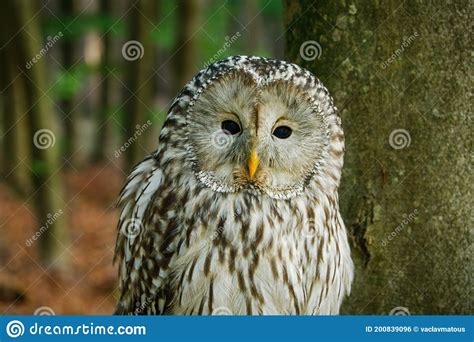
261,135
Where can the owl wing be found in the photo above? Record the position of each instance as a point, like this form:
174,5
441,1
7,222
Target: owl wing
142,265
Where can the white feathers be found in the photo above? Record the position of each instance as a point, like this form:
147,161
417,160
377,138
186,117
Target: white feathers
192,242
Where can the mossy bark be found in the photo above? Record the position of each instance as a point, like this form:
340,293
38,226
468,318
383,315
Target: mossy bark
68,104
16,147
139,85
407,204
48,192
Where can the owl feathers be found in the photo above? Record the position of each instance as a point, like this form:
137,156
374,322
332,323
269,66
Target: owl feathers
237,211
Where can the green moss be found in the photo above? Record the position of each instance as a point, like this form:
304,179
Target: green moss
428,265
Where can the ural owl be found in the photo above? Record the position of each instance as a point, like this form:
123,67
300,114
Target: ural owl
237,211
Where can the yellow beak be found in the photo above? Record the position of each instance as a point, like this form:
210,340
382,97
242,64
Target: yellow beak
253,163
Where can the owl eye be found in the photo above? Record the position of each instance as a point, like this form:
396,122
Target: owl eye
230,127
282,132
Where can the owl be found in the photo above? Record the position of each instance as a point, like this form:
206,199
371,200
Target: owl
237,211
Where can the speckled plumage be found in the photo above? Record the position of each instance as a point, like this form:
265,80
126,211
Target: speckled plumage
197,236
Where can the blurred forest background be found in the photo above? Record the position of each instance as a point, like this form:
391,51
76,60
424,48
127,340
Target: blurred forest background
85,86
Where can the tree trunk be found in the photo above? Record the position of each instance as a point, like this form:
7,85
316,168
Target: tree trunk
104,127
16,146
186,56
46,166
68,45
399,74
139,60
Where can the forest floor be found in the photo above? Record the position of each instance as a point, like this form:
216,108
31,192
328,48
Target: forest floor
88,284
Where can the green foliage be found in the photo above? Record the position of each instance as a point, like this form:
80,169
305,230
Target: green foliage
213,35
272,9
164,33
74,27
221,23
39,167
157,117
68,82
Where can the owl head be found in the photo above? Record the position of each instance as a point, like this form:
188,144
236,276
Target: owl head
259,125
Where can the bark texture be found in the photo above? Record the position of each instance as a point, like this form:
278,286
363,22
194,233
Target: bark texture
48,195
16,148
399,73
139,87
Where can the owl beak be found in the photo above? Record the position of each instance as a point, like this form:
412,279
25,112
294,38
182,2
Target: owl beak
253,163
